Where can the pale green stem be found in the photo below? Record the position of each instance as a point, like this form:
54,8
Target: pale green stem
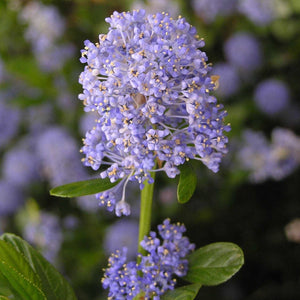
145,212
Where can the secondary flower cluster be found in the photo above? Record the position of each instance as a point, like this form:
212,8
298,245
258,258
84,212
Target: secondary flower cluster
154,274
150,84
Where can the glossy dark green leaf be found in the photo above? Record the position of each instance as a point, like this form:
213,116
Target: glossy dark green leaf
188,292
83,188
187,183
22,278
53,285
214,263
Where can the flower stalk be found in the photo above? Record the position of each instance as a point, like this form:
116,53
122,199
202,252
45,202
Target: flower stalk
145,212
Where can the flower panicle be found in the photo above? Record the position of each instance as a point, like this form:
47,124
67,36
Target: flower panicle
154,274
150,84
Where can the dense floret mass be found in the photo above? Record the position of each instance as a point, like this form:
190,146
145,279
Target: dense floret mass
154,274
149,81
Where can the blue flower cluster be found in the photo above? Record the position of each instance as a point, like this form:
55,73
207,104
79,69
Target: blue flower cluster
260,12
59,159
243,51
269,160
20,164
45,27
153,274
272,96
150,84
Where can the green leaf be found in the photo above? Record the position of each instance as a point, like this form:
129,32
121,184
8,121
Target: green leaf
188,292
82,188
15,268
53,284
187,183
214,263
6,290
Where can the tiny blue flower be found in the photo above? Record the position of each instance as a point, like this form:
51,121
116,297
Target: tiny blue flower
122,208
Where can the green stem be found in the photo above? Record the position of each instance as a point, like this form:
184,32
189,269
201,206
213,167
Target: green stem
145,212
